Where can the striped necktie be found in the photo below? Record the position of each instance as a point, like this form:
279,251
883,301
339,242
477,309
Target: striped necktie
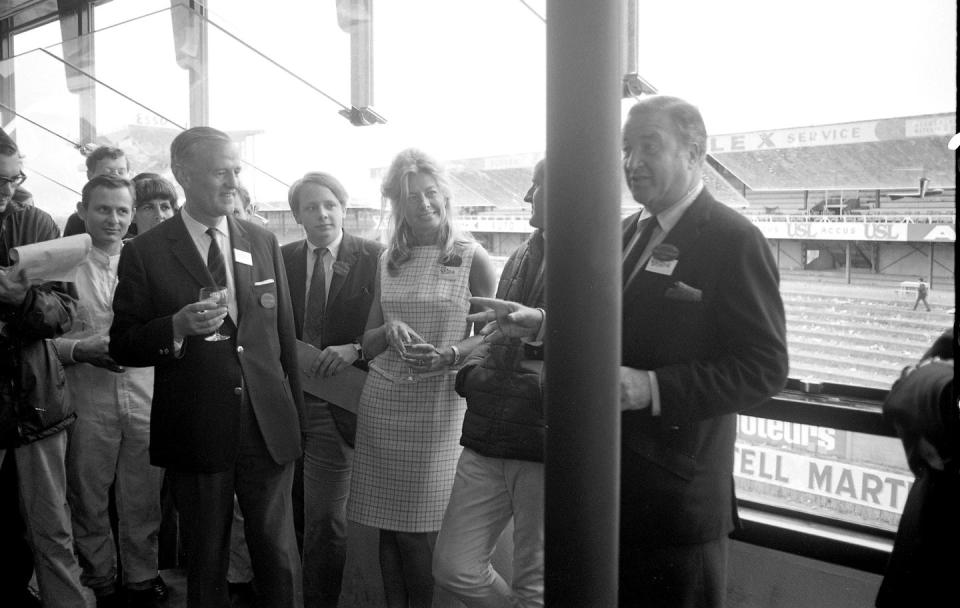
215,263
645,228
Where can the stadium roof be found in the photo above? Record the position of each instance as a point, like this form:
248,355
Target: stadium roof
504,188
867,155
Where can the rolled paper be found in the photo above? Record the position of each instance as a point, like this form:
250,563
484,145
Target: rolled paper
55,260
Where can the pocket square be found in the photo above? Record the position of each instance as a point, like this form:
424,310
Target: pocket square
683,292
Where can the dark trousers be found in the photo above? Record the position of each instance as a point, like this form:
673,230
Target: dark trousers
674,576
205,503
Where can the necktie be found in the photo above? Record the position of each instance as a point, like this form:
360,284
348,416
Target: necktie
645,227
316,299
215,263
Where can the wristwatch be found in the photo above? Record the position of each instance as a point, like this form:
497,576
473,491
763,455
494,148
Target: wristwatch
359,348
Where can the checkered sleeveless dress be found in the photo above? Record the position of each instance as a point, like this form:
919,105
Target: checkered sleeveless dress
408,433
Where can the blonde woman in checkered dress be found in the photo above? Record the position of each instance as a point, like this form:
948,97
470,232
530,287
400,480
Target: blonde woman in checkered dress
408,426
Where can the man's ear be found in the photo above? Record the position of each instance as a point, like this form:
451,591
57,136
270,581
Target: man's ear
695,154
182,177
82,211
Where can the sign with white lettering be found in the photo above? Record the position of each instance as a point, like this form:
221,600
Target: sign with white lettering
835,231
829,135
791,435
834,480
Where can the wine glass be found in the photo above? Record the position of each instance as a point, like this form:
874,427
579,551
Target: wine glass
219,296
411,375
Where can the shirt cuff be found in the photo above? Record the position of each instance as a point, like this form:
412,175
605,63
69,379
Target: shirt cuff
177,347
654,393
543,326
65,348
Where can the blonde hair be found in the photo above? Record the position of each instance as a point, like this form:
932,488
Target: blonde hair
395,188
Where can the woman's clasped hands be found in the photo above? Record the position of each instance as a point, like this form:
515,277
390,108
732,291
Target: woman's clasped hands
420,356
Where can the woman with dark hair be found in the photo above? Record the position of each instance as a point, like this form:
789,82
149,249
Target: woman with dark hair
156,201
416,337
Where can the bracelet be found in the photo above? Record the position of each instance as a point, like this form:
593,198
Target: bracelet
456,355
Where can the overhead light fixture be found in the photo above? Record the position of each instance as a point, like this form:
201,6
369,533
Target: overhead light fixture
362,117
635,85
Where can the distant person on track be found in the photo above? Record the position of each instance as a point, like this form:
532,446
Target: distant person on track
922,291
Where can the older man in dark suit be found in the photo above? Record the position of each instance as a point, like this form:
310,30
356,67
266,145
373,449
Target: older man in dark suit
331,276
703,338
226,414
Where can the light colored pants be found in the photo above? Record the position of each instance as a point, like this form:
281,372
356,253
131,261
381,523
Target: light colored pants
487,492
326,483
42,479
107,446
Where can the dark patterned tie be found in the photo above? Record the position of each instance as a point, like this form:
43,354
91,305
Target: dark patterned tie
215,263
316,300
645,227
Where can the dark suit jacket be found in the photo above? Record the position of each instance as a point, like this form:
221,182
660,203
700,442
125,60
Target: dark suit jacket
195,422
714,353
351,289
923,565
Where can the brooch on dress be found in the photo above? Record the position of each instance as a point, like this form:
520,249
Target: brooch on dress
452,261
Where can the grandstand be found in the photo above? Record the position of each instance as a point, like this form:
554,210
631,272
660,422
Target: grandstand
896,165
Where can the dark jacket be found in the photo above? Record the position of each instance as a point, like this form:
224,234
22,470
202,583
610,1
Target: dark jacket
195,419
713,330
347,306
33,402
502,381
922,406
351,288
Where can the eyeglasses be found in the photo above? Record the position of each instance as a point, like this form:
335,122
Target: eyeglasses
13,181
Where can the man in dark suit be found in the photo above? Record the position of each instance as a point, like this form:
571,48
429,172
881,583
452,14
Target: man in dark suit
226,414
703,338
331,276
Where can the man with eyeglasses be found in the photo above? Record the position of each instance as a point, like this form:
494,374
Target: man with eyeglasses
34,412
105,160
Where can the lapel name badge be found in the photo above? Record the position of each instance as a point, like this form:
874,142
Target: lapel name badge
268,300
243,257
661,266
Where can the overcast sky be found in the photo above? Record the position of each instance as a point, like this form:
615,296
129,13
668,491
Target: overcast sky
465,78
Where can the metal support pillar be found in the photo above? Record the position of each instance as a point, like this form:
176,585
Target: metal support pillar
932,262
199,81
190,41
361,58
76,31
8,96
583,184
846,261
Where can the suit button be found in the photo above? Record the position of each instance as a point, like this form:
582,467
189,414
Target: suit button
238,390
239,350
